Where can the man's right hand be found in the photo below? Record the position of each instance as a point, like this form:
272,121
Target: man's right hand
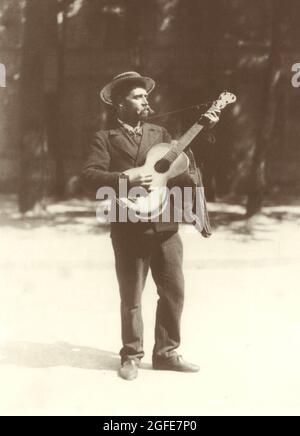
140,180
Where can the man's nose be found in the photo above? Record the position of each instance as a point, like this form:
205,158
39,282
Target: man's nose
145,101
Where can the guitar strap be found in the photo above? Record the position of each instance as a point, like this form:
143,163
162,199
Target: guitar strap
202,223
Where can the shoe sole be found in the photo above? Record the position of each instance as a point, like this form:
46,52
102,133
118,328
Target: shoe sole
175,369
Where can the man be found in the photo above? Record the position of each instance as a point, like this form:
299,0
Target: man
140,246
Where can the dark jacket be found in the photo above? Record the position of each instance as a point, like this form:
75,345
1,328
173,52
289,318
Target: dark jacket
113,151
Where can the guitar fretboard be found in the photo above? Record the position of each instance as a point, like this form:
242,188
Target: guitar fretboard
183,142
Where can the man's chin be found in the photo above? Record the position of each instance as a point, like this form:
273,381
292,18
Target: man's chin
143,115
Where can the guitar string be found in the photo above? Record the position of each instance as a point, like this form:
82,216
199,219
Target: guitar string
174,152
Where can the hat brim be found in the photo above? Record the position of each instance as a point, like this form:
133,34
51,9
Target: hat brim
106,92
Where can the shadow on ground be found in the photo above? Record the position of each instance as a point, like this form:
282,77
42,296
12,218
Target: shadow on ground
257,227
77,221
38,355
79,216
76,215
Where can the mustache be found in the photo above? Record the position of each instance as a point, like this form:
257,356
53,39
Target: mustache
149,109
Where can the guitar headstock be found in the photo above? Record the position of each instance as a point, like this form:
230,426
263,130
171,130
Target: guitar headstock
224,99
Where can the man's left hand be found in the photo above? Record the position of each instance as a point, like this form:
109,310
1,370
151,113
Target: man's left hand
211,118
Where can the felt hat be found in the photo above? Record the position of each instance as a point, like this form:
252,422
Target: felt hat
121,80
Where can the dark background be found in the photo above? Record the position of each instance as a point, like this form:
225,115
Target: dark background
58,55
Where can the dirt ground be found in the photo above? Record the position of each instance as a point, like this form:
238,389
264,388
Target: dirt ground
60,326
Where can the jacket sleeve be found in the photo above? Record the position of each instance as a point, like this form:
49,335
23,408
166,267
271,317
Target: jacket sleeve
96,171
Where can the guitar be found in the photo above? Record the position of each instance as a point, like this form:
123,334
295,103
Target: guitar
164,162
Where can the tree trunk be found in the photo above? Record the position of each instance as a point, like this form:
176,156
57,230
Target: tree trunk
269,102
33,129
40,108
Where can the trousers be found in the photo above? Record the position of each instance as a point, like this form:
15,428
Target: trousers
162,253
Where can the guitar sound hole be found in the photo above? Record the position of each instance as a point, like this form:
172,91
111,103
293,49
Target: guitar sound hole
162,166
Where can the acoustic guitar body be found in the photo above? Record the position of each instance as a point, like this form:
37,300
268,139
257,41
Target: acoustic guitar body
149,204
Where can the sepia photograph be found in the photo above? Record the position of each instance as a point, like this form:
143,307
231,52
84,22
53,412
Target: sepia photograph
149,209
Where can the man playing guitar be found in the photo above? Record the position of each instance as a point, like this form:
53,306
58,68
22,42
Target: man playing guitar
140,246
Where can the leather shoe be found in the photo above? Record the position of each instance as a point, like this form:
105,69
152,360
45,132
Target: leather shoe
175,363
129,369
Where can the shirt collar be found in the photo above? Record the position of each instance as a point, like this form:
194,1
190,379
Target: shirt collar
137,130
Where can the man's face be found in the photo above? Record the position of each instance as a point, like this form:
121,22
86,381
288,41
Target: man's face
135,105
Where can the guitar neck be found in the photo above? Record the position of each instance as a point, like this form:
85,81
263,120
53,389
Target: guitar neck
183,142
188,136
224,99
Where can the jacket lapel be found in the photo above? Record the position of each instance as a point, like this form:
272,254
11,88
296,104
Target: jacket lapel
151,136
123,143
